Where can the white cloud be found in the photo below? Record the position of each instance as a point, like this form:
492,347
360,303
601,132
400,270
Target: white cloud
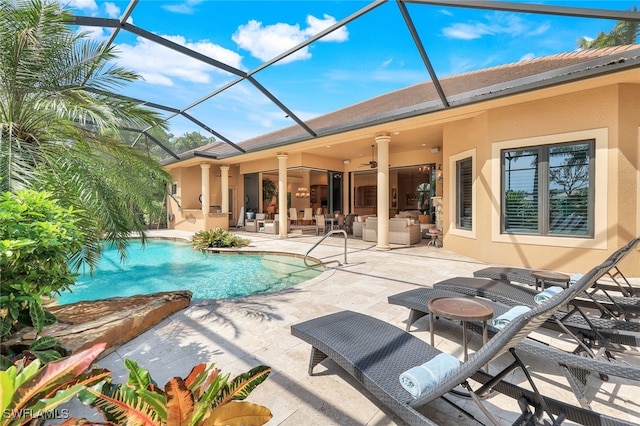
186,8
83,4
112,10
159,65
265,119
495,24
466,31
316,25
267,42
543,28
527,57
95,33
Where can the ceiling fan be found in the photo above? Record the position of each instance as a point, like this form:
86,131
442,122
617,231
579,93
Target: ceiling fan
373,163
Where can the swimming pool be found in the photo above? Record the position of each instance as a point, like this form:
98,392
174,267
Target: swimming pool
163,265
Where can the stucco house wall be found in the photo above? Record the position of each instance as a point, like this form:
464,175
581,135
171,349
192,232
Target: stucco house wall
184,208
499,108
609,114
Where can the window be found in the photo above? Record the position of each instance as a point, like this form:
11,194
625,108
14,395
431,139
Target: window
548,190
174,188
464,194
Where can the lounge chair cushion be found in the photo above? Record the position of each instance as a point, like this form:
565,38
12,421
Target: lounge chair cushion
421,378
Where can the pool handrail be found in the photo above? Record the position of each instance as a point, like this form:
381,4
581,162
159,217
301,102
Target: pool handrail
331,232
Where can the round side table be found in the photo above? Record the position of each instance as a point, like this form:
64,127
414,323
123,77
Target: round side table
543,277
460,309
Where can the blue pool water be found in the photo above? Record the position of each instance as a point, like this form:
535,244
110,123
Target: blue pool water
163,265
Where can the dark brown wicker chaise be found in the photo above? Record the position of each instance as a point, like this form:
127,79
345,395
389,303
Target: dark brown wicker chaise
583,373
375,353
591,330
601,296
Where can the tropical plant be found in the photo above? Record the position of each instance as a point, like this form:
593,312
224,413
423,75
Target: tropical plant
36,237
60,124
45,348
217,237
623,33
520,211
32,391
204,397
269,191
177,144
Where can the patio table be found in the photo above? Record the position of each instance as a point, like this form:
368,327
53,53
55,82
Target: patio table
460,309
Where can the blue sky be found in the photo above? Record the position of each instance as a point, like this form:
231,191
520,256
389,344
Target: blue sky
372,55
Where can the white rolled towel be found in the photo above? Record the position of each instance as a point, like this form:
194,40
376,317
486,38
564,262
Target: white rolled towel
504,319
421,378
575,278
547,294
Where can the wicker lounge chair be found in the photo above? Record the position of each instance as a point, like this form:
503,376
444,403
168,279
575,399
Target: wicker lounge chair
376,353
588,331
583,373
593,332
600,296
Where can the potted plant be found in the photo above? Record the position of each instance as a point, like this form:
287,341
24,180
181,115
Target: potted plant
269,192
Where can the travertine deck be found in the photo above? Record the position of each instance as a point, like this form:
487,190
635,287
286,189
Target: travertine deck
240,333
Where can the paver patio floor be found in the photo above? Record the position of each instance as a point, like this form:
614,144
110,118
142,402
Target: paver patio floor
238,334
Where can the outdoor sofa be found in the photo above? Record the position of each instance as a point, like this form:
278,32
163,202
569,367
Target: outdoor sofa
401,231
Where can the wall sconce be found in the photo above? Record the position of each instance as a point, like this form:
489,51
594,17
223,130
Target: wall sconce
439,173
302,193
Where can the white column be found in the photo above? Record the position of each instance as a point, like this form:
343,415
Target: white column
224,186
282,195
383,192
204,169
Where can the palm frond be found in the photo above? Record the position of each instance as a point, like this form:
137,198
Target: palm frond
242,385
60,120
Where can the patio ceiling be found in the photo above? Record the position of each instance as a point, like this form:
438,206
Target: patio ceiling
194,114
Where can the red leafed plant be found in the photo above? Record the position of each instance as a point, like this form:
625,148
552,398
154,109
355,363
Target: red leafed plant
204,397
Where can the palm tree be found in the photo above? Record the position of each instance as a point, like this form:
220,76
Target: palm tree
60,124
623,33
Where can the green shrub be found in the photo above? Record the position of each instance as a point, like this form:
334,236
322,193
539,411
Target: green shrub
217,237
37,236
